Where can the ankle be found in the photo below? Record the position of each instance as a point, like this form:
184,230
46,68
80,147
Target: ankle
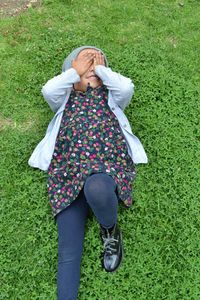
110,229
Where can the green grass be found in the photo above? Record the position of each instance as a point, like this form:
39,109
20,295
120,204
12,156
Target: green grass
156,43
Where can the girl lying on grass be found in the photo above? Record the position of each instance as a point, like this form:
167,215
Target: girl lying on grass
89,152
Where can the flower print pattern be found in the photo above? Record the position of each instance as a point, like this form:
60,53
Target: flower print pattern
89,141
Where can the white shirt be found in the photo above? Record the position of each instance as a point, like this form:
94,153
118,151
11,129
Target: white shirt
57,91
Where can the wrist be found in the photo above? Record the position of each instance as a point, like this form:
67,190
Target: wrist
77,71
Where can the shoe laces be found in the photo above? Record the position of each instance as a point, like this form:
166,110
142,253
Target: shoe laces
108,243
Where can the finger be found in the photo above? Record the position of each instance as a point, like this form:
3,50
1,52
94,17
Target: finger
92,52
89,57
95,61
99,58
102,59
88,63
89,54
85,57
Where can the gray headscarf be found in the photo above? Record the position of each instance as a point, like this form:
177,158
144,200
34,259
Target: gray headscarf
68,61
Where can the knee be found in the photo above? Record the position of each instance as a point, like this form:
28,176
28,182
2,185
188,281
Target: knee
98,188
93,185
99,182
70,250
69,256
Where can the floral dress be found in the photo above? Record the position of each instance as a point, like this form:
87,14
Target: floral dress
89,141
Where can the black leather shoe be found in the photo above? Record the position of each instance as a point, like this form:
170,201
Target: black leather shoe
113,248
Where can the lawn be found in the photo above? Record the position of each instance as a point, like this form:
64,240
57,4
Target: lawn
156,44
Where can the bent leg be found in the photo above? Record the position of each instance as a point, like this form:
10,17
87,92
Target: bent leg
71,227
99,190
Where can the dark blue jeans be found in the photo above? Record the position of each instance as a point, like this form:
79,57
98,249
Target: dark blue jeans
99,194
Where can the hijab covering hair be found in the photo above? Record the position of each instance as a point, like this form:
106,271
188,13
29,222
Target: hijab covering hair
67,64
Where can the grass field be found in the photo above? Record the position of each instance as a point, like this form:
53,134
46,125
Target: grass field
156,44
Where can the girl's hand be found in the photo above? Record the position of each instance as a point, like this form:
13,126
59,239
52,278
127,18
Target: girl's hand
99,59
82,63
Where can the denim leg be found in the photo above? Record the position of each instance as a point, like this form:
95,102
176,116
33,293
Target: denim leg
71,227
99,190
